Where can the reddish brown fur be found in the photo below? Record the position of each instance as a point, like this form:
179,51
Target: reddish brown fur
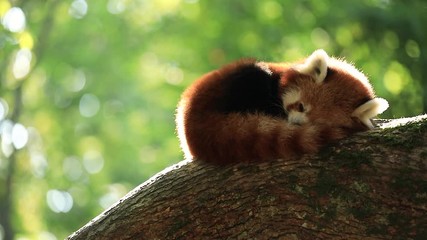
216,137
334,100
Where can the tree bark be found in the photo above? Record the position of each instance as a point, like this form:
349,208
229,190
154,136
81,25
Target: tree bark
372,185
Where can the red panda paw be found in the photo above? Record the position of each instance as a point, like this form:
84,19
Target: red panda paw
316,136
327,134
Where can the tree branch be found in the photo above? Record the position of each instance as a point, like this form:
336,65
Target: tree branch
372,185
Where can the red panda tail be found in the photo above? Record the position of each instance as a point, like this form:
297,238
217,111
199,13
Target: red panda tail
238,137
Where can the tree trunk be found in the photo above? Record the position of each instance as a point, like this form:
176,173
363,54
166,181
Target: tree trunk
372,185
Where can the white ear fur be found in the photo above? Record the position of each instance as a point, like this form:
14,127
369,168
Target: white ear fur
316,65
369,110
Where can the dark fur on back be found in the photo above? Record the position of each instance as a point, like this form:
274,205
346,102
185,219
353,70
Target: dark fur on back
251,89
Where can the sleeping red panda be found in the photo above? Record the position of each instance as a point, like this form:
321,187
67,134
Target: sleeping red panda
259,111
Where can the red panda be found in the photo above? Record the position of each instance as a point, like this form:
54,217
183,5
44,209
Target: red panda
259,111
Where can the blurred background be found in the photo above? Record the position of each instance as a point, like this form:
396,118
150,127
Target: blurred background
88,89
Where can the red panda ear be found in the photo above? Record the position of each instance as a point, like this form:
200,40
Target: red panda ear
316,65
369,110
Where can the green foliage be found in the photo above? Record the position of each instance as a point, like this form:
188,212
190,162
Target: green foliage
88,88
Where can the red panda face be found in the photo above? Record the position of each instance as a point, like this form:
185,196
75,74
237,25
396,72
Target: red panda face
331,92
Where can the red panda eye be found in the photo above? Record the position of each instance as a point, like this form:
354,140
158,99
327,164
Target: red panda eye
301,107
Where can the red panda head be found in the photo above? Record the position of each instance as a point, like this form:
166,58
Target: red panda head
330,91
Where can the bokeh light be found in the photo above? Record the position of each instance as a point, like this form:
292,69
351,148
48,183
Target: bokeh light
395,78
89,105
77,81
46,236
14,20
39,164
6,127
4,109
1,232
78,9
174,75
412,49
320,38
22,64
116,6
93,161
59,201
72,168
19,136
26,40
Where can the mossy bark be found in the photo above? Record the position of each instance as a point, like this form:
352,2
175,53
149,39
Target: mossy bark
369,186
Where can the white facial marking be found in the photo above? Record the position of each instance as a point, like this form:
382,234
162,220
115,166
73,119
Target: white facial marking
295,117
291,96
